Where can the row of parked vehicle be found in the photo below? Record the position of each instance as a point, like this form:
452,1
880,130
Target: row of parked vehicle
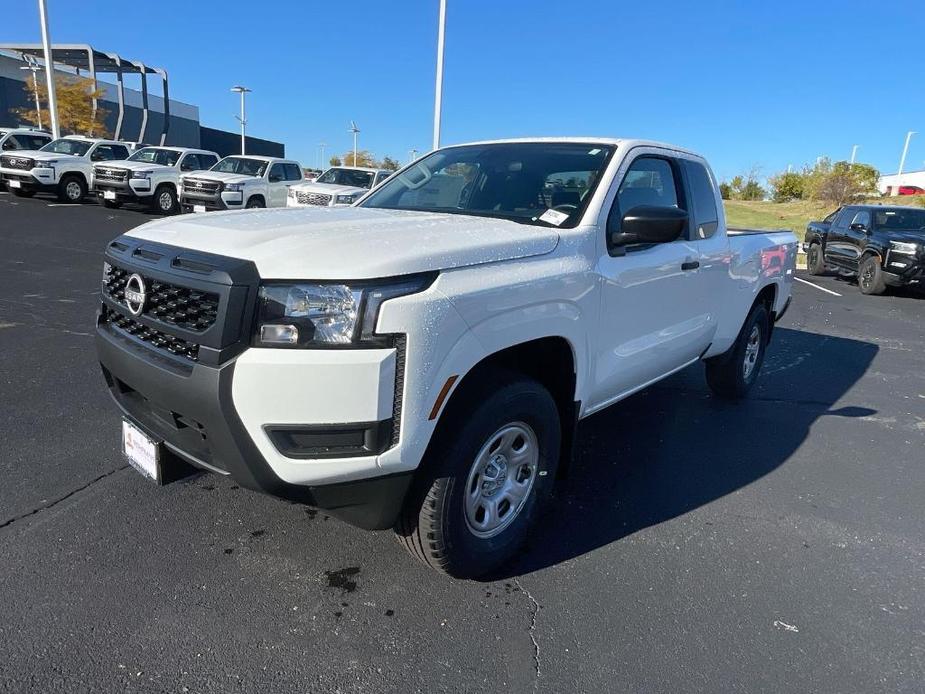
169,179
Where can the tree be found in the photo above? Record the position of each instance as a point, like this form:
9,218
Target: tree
743,187
364,158
847,181
787,186
725,191
335,161
388,164
75,105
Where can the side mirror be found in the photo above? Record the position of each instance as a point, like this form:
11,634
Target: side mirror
857,226
649,224
273,178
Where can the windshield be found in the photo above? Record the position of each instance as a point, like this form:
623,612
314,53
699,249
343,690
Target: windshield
155,155
63,146
347,177
241,165
900,220
546,183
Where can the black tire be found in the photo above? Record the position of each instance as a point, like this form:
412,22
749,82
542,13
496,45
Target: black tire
22,192
110,204
815,263
870,276
727,375
164,201
254,203
72,189
434,525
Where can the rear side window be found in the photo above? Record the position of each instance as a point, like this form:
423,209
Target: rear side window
703,198
293,172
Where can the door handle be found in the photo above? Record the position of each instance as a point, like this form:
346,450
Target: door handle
690,265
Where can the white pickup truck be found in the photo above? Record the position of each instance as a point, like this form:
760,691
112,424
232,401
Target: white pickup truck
149,177
63,167
339,186
240,182
420,360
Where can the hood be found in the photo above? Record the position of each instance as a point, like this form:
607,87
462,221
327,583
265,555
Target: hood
904,236
37,155
325,243
132,165
328,188
220,176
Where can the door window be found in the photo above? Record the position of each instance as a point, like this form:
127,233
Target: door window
862,217
651,181
277,173
191,162
703,198
293,172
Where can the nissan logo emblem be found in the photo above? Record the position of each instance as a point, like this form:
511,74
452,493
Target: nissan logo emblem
135,294
198,184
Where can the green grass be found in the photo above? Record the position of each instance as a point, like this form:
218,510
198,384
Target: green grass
793,215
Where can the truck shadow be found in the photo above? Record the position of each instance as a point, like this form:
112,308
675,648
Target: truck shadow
674,447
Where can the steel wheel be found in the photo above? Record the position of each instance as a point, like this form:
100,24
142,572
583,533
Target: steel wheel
73,191
501,479
752,349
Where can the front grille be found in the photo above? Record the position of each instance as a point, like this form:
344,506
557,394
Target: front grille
186,308
313,198
159,339
23,163
116,175
195,185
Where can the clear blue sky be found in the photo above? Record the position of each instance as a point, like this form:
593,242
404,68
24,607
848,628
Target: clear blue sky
745,83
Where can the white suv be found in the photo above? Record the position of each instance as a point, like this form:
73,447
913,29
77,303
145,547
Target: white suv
150,177
337,187
238,182
63,166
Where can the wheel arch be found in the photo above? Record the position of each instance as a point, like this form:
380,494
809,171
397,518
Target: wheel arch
259,196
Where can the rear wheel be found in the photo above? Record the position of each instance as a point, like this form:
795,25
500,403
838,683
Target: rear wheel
732,375
484,478
72,189
164,200
870,276
815,263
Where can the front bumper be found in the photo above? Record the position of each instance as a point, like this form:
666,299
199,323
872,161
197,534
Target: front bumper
41,180
133,190
224,200
901,269
305,425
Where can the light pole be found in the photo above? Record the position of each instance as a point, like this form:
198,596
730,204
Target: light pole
414,155
49,71
902,162
322,145
34,68
438,91
356,131
243,117
854,152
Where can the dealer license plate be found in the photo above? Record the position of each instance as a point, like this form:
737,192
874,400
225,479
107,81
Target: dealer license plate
15,184
109,194
199,208
142,451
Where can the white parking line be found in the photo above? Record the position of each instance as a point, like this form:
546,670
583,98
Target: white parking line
821,289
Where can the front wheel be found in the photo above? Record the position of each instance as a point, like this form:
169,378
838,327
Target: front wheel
870,276
72,189
490,468
254,203
164,200
815,263
732,375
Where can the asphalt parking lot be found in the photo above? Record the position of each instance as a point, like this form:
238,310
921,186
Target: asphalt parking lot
770,546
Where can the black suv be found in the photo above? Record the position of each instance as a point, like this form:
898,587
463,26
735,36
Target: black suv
883,245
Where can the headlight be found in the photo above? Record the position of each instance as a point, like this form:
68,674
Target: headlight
326,314
234,187
141,174
903,247
346,199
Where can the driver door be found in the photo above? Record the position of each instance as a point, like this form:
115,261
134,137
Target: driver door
654,317
277,186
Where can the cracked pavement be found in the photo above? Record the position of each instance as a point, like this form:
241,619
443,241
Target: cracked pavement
771,546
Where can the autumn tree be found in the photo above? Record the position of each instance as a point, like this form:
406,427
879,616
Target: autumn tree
364,158
75,105
389,164
335,161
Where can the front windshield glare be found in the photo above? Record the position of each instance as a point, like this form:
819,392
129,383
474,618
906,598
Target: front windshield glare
241,165
78,148
542,183
347,177
155,155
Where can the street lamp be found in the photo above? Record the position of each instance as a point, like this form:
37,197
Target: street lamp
242,118
438,91
854,152
356,131
35,69
49,71
322,145
902,162
414,155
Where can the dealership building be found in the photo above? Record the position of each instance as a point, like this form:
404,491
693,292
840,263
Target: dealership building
909,179
133,114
